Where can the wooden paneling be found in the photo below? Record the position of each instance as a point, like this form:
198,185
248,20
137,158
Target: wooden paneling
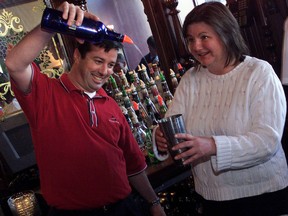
264,29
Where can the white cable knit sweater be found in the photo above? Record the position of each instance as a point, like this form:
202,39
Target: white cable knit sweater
244,110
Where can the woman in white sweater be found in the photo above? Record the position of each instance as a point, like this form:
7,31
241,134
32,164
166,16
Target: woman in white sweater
234,110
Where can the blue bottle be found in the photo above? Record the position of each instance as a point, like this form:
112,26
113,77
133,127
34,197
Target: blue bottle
90,30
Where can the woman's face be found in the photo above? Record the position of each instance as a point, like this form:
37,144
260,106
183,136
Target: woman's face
206,46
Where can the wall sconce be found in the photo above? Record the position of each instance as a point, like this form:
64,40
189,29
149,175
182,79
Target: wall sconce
24,204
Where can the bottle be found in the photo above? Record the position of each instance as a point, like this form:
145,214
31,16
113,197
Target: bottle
139,116
181,70
127,104
167,95
143,90
174,80
175,69
108,87
137,84
129,121
163,107
154,92
141,107
149,146
124,80
157,78
143,75
115,89
139,133
90,30
152,113
131,76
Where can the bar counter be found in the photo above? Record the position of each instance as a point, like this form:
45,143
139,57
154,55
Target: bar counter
166,173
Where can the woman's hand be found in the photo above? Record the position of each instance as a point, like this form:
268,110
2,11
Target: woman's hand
161,142
197,148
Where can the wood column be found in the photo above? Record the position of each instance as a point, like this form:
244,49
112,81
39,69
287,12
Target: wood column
167,34
182,51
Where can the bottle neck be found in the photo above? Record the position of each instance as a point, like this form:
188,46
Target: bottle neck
90,30
114,36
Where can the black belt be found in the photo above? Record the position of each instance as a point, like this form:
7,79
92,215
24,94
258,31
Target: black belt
85,212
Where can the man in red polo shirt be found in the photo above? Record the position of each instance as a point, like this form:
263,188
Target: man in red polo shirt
86,153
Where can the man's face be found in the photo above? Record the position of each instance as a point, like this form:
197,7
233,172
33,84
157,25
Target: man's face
95,69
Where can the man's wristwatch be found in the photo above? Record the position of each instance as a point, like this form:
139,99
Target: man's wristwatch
155,202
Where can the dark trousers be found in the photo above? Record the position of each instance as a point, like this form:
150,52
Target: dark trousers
269,204
127,207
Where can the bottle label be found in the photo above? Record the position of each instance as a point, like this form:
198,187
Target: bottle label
73,26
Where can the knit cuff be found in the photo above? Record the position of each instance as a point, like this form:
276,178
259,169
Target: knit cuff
223,158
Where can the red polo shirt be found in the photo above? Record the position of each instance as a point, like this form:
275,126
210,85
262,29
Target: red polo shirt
84,147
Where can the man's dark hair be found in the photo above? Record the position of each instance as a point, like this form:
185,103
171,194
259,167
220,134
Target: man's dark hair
120,57
106,44
151,42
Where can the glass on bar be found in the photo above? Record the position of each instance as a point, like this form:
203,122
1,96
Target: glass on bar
24,204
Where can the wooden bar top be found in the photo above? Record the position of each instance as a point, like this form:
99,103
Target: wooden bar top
166,173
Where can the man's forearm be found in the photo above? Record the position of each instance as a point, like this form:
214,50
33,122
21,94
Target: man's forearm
20,57
141,183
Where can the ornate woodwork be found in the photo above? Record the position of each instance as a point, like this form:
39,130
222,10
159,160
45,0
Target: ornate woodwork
69,42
